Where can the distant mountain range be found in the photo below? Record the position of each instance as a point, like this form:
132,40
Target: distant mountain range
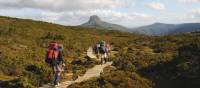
162,29
153,29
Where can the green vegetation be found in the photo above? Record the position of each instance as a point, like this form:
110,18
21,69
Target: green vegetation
23,46
170,61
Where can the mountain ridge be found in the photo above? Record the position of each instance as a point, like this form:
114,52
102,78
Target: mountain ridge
152,29
96,22
163,29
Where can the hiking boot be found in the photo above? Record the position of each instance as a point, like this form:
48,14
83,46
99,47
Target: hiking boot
55,86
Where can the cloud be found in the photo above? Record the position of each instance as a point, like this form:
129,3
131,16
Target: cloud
65,5
73,12
191,16
195,14
156,6
189,1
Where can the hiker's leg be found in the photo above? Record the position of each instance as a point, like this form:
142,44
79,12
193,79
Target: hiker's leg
55,76
59,77
105,57
98,55
54,69
55,79
59,71
101,58
108,56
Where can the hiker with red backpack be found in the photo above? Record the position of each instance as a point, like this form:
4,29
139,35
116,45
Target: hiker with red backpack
55,59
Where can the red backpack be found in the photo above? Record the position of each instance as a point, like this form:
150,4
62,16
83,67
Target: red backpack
52,53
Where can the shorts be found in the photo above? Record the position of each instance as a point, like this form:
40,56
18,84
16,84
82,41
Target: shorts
58,68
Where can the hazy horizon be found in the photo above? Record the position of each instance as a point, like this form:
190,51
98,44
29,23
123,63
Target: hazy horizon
129,13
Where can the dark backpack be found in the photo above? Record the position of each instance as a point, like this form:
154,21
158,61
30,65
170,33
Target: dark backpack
102,47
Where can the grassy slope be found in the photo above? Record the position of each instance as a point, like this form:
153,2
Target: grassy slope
170,61
23,42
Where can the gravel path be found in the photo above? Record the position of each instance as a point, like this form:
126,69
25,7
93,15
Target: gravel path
90,73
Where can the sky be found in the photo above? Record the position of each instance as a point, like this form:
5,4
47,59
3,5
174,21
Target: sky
129,13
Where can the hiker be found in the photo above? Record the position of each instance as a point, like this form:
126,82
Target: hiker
96,50
108,51
102,50
55,60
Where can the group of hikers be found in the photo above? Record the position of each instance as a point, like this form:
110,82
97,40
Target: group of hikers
54,57
102,51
